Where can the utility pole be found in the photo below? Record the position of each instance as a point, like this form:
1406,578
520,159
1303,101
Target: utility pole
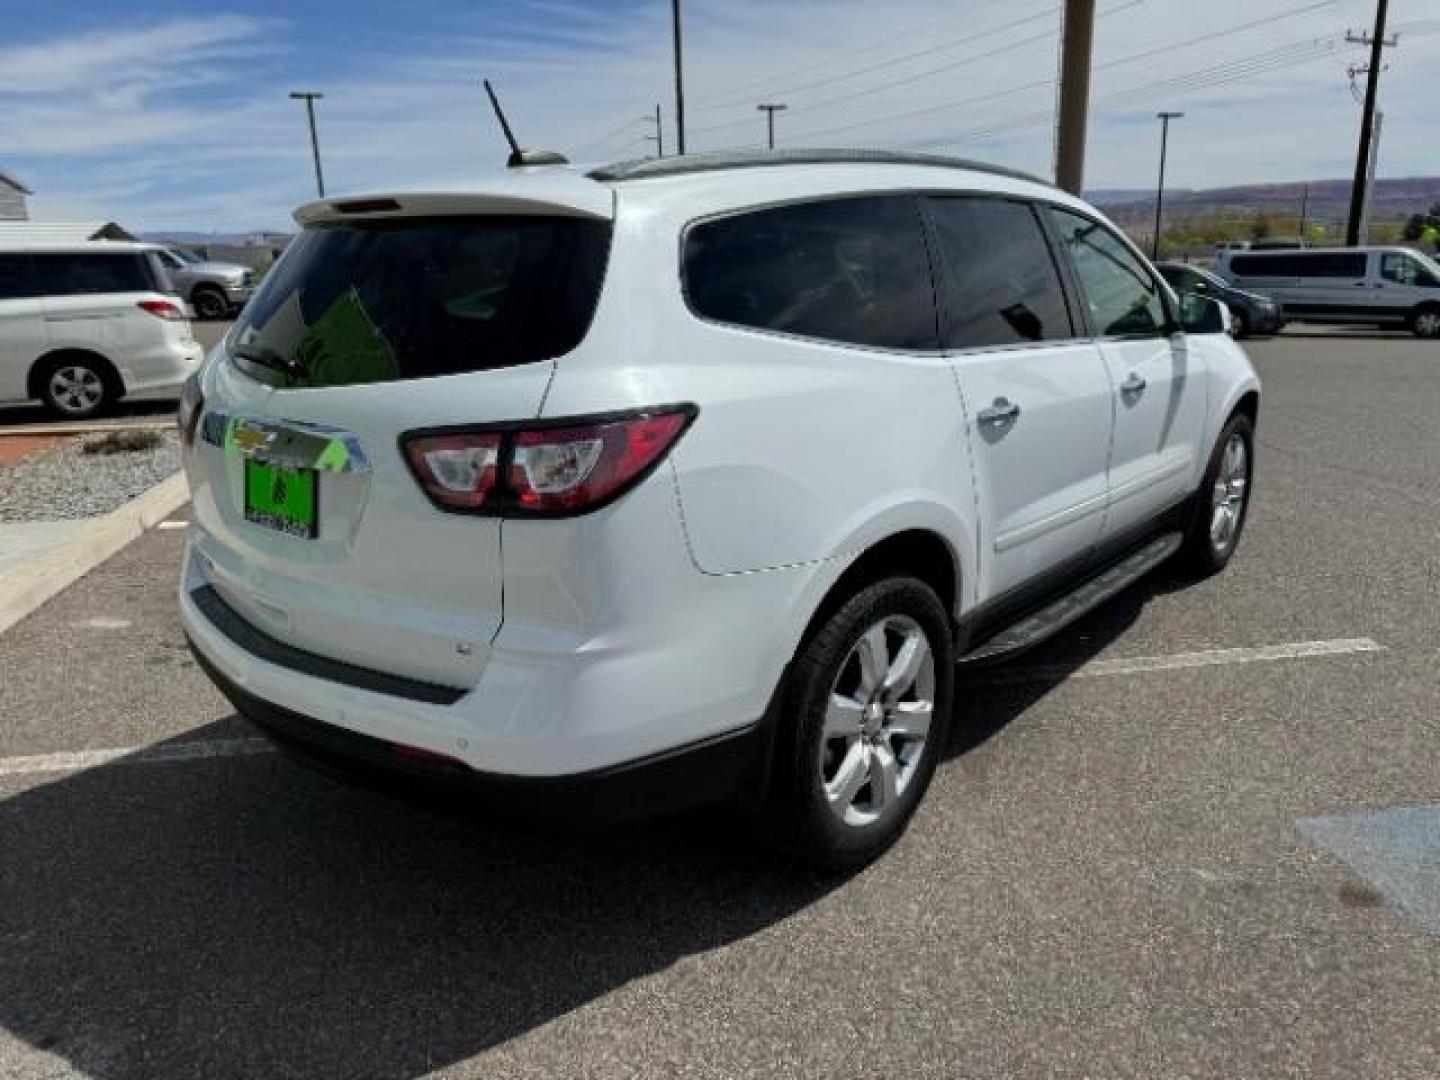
310,97
1165,118
770,111
1074,103
1304,213
659,137
1370,177
1376,41
679,79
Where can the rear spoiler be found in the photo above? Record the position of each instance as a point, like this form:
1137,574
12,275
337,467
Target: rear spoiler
579,198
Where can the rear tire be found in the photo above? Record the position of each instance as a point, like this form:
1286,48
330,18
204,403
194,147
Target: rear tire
77,387
866,716
1223,501
1424,321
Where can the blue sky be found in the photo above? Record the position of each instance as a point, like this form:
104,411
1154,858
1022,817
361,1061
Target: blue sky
176,115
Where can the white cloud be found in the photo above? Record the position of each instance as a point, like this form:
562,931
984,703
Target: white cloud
220,145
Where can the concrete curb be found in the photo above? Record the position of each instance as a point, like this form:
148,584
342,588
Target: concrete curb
35,581
160,423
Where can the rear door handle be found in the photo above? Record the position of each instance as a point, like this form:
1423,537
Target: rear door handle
1001,411
1133,384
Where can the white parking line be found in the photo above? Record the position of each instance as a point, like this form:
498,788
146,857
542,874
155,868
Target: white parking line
1298,650
173,525
136,755
216,748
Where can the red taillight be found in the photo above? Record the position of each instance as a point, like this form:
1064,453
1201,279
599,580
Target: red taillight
163,309
456,470
568,468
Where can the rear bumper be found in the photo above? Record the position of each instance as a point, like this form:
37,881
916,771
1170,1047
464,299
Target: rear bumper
163,367
726,768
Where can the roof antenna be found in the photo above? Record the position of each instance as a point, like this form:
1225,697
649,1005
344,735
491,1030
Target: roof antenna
519,157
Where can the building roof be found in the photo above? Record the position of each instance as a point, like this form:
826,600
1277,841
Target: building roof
15,182
61,232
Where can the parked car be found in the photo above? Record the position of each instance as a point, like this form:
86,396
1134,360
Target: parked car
1380,286
1250,313
691,480
216,290
83,325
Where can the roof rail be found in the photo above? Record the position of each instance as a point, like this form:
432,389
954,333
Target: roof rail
654,168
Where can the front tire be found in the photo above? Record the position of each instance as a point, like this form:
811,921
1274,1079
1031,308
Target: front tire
1223,500
210,304
866,717
1425,321
1239,326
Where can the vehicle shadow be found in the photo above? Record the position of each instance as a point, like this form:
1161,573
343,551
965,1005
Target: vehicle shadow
141,408
991,696
246,917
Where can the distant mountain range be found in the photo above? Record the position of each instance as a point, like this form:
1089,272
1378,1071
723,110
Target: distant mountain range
1329,200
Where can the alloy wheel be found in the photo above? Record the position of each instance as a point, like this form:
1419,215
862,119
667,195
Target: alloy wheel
877,721
1227,500
76,389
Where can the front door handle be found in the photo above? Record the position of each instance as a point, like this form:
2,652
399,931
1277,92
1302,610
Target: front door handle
1134,384
1000,412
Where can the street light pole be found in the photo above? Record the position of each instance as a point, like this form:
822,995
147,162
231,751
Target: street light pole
770,111
679,80
309,97
1165,118
1078,36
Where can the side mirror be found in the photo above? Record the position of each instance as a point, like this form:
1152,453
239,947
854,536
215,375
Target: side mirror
1201,315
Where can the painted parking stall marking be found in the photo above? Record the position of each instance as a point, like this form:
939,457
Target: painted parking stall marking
1139,665
200,750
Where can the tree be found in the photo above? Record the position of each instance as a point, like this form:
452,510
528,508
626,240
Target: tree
1416,227
1260,230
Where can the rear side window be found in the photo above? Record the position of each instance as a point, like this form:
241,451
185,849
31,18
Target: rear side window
999,284
76,274
1123,298
419,297
17,278
846,270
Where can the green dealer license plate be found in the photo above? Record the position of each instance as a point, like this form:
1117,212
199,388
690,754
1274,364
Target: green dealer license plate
286,500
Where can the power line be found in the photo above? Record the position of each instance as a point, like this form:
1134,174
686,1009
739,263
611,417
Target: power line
871,68
1050,81
769,81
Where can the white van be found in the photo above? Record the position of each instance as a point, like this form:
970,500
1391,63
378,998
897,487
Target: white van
1381,286
83,325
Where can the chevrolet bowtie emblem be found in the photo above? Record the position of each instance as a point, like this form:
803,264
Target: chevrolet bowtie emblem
248,439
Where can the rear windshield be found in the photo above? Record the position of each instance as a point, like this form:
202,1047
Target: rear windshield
421,297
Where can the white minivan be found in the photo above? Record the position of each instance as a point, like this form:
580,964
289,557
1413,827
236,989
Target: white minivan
1378,286
692,480
83,325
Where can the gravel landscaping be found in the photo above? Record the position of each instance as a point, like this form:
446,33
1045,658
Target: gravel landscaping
65,483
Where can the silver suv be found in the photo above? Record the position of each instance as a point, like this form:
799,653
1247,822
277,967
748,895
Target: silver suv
215,290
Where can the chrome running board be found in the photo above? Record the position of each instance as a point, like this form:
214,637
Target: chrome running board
1035,628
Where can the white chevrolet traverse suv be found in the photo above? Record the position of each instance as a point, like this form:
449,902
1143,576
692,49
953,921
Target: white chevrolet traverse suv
692,480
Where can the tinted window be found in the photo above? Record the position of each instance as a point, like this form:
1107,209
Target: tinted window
17,279
1406,270
77,274
1332,264
1122,297
1264,266
420,297
851,270
1000,285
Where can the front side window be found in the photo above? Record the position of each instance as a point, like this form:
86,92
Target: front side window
847,270
999,284
1407,270
1123,298
78,274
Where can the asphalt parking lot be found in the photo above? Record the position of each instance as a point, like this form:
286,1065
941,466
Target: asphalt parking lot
1197,836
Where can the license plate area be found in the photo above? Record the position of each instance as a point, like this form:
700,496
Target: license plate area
283,499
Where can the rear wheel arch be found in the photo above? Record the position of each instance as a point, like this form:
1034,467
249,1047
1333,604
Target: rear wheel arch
1249,405
919,553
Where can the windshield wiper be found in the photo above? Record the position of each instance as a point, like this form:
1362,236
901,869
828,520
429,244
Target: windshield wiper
268,358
